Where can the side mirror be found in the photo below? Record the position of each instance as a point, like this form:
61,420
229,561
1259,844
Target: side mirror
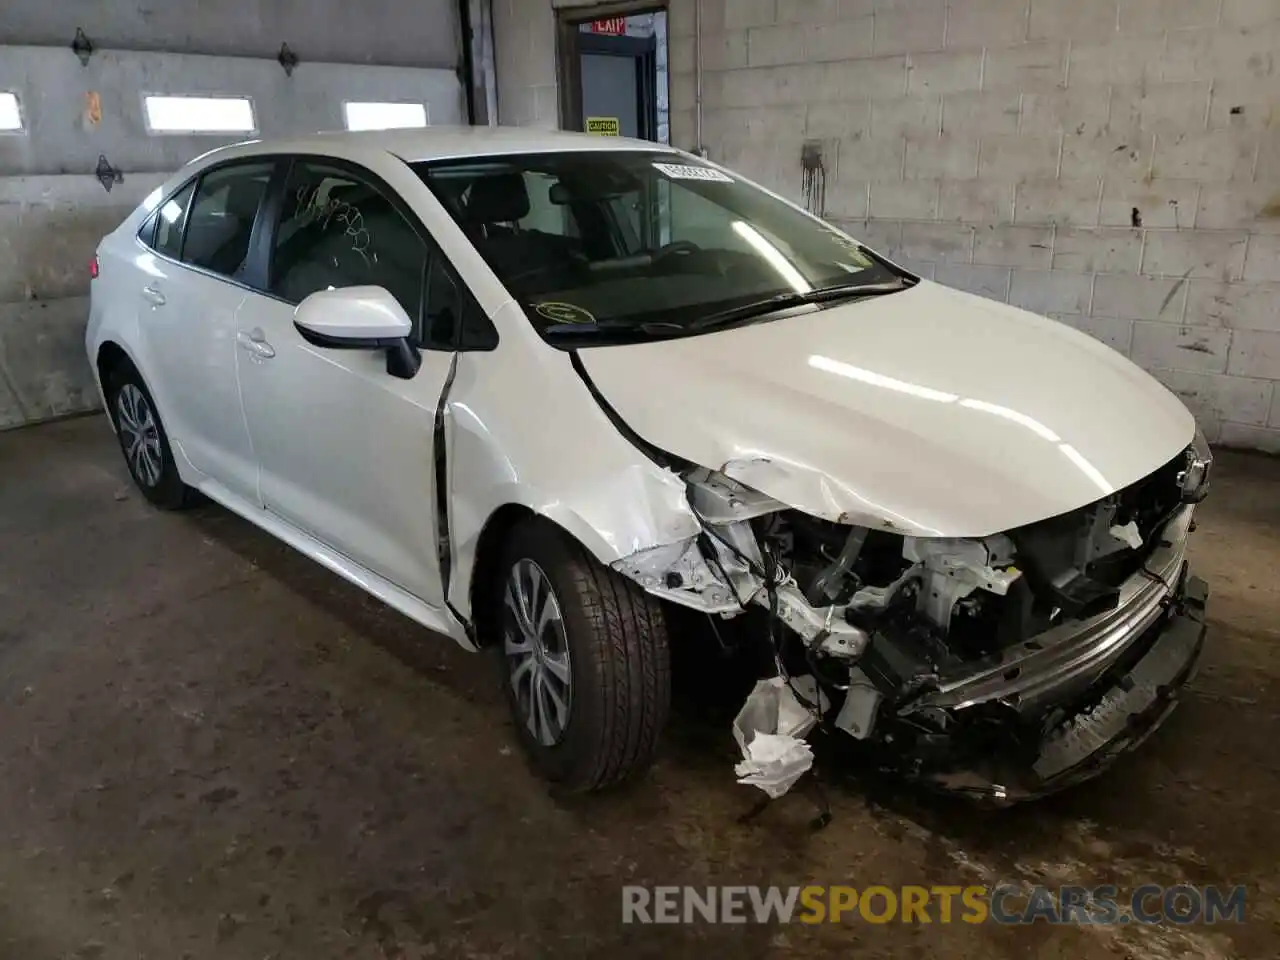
360,318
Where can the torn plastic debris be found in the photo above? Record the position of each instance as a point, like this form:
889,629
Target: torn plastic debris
680,573
1128,534
774,763
768,729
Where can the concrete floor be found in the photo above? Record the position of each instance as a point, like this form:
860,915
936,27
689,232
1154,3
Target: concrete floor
210,747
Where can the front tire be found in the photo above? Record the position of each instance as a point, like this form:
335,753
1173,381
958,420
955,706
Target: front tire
143,441
588,673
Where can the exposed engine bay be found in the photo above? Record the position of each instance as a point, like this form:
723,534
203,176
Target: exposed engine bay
1004,666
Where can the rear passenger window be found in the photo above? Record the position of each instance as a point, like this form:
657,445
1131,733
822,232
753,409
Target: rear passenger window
222,216
337,230
168,222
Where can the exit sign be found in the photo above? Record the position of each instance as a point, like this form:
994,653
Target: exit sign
613,26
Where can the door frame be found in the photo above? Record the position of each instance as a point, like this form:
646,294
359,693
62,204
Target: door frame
569,48
644,52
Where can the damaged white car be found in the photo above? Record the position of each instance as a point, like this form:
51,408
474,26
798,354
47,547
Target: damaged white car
540,391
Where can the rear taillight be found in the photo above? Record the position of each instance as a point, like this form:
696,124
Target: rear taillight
93,268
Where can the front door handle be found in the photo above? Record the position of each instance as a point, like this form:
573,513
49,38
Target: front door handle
256,343
153,294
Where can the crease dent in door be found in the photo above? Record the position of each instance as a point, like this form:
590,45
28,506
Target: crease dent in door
444,539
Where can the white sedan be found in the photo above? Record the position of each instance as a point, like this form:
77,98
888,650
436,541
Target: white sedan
538,391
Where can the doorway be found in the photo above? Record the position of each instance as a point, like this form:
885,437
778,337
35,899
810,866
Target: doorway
613,74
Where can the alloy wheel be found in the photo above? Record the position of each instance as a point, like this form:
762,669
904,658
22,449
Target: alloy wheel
537,652
139,435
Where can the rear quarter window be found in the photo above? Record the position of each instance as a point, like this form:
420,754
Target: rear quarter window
162,231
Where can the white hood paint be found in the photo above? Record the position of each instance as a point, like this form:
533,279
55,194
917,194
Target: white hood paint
929,412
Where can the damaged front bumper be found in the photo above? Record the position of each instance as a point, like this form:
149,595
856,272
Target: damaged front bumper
1061,707
1073,740
1136,704
1026,720
1058,664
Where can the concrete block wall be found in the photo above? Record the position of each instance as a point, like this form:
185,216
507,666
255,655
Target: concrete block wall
53,211
1114,164
524,44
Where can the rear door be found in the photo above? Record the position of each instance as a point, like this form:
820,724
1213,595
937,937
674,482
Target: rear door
192,287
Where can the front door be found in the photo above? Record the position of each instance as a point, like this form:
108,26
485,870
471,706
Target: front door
344,449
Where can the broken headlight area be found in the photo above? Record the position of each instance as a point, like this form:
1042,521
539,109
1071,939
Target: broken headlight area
1003,666
1197,464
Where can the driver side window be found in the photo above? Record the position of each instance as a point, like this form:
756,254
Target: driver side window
339,230
336,230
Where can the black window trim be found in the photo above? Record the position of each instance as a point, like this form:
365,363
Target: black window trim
251,270
149,227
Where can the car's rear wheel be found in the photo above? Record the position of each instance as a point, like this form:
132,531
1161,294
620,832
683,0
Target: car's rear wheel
143,441
588,675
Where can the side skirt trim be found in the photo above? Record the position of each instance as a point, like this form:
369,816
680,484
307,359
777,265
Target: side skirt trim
433,618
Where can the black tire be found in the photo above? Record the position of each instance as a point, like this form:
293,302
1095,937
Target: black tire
616,638
165,488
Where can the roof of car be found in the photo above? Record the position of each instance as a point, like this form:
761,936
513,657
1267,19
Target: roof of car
437,143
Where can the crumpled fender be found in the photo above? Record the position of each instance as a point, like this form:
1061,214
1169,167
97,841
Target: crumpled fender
598,488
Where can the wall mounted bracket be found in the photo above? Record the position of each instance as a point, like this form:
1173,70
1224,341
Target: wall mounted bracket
107,175
288,59
82,46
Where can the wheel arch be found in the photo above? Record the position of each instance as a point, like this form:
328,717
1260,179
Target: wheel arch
110,357
486,564
487,567
113,355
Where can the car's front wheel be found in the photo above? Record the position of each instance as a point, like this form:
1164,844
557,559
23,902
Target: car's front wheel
143,441
588,673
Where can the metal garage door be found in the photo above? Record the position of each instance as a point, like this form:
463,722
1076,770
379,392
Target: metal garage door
78,111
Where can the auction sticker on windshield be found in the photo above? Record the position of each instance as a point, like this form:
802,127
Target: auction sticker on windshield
689,171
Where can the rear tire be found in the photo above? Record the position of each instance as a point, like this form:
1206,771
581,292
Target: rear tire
143,440
563,614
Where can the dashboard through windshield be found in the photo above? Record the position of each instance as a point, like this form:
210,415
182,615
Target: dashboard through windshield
618,245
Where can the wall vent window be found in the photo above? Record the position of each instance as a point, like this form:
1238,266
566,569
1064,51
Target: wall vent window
10,113
199,114
383,116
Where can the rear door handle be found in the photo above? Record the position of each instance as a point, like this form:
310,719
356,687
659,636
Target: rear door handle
153,294
255,342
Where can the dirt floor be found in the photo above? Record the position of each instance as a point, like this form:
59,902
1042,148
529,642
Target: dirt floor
211,747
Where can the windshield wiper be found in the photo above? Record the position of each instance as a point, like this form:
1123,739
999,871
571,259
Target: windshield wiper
783,301
747,311
653,329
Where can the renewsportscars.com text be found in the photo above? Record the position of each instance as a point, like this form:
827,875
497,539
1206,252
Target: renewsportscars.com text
1002,904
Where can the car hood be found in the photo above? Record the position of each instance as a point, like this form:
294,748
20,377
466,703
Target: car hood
929,412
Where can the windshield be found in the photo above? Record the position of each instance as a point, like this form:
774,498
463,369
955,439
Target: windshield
623,245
